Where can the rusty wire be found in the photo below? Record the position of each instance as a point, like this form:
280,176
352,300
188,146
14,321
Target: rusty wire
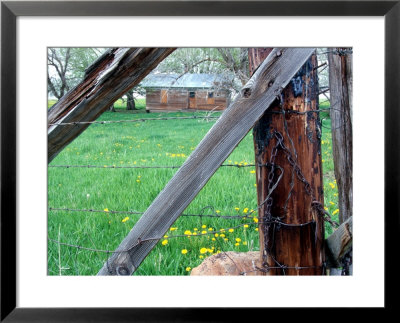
141,241
146,166
132,120
200,214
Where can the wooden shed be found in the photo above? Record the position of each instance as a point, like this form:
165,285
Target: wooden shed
172,92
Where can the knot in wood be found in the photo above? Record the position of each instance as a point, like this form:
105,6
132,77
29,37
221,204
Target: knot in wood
122,271
247,92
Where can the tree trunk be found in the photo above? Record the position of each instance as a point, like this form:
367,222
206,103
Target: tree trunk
341,91
130,102
289,185
106,80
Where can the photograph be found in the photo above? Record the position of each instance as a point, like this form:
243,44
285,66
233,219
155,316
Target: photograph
205,149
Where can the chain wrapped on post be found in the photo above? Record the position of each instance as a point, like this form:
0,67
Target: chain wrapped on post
291,220
270,222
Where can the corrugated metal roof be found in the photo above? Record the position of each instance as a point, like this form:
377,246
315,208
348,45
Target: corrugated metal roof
185,81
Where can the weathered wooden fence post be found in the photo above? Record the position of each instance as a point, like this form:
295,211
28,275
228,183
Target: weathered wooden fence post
289,182
341,113
341,91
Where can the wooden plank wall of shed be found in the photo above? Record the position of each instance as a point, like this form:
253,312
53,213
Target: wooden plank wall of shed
166,99
179,99
203,101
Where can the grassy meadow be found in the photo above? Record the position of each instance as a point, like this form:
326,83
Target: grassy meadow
231,191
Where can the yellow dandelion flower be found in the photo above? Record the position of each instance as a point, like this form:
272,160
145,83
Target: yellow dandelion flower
203,250
217,211
210,229
184,251
164,242
237,209
188,268
216,235
246,226
212,239
255,220
226,239
331,203
238,239
203,232
335,212
222,230
203,226
201,256
231,230
237,243
252,172
222,235
125,219
325,208
106,210
188,232
245,210
172,229
256,229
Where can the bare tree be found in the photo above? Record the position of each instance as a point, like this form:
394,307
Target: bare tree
59,60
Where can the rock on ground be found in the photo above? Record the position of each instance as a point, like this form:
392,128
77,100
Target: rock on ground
229,263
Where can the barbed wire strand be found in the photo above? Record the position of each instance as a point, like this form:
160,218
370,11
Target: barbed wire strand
132,120
146,166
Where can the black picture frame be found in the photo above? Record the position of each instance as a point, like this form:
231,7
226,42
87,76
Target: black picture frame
10,10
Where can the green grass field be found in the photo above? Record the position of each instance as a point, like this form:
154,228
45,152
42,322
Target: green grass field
231,191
